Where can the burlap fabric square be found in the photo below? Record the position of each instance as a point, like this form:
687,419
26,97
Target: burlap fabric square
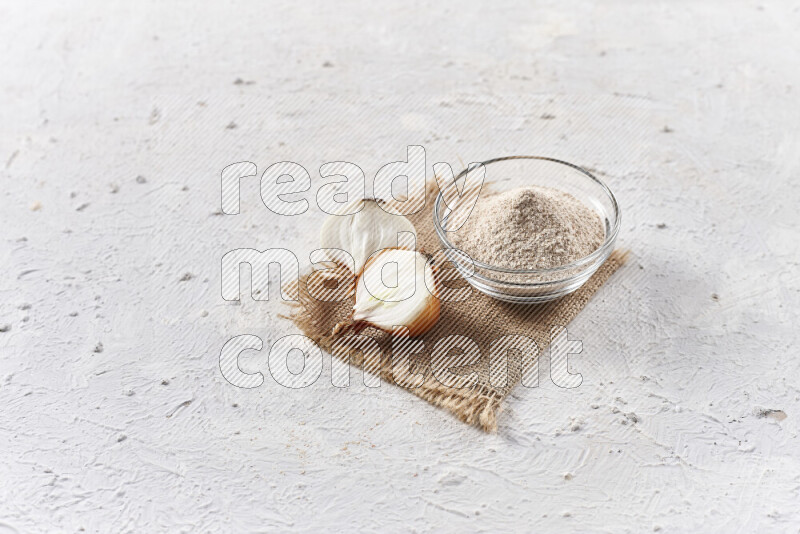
465,363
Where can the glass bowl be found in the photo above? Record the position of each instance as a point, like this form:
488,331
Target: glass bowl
534,285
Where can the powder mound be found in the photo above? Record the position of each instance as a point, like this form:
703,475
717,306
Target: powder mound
530,228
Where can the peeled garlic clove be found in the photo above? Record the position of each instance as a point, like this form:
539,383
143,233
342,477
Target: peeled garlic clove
365,232
407,298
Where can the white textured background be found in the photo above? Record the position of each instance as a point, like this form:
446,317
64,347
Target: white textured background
689,111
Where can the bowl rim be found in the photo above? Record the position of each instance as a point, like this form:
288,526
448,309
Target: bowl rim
581,262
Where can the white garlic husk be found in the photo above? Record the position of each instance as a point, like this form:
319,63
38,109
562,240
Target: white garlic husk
361,234
412,303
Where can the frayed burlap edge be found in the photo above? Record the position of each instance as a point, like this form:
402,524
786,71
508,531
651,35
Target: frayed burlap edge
475,406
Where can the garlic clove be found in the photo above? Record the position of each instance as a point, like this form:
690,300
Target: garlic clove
365,232
397,288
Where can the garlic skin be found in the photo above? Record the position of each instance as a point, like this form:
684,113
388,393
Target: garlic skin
363,233
413,303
